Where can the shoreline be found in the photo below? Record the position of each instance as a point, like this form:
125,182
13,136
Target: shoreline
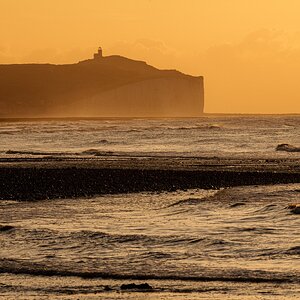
204,114
56,177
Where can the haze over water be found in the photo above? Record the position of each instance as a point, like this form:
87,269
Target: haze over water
221,136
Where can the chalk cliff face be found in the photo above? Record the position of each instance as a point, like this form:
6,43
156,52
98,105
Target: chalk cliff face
112,86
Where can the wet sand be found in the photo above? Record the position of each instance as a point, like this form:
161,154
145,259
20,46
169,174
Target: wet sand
67,177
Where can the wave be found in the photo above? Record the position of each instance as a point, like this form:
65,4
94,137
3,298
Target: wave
189,201
166,127
4,228
268,207
293,251
9,132
296,210
287,148
237,204
194,127
96,152
38,269
258,230
103,239
103,141
131,130
29,152
210,194
113,238
108,142
107,238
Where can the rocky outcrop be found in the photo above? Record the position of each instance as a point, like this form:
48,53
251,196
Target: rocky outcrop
112,86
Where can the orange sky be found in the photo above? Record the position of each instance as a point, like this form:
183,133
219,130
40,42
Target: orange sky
247,50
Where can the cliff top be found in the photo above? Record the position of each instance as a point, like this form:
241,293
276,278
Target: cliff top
105,63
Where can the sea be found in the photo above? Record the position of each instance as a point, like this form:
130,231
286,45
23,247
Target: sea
231,243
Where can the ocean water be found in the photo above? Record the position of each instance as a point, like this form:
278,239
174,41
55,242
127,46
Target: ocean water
234,243
224,136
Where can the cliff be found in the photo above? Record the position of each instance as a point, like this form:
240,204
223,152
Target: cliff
111,86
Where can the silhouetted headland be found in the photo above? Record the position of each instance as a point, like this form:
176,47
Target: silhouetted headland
105,86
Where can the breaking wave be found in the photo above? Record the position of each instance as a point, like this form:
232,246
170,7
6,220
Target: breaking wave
38,269
287,148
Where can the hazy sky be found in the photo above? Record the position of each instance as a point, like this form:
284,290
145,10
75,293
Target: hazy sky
247,50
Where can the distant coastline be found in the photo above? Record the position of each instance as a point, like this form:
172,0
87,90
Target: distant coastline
231,115
105,86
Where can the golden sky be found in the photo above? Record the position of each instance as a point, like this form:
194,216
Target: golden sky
247,50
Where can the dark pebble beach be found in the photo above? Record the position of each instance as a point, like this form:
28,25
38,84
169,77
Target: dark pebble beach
36,179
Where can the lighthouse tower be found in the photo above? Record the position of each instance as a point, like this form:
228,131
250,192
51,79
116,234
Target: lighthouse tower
99,54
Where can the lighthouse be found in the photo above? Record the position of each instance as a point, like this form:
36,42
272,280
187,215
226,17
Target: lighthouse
99,54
